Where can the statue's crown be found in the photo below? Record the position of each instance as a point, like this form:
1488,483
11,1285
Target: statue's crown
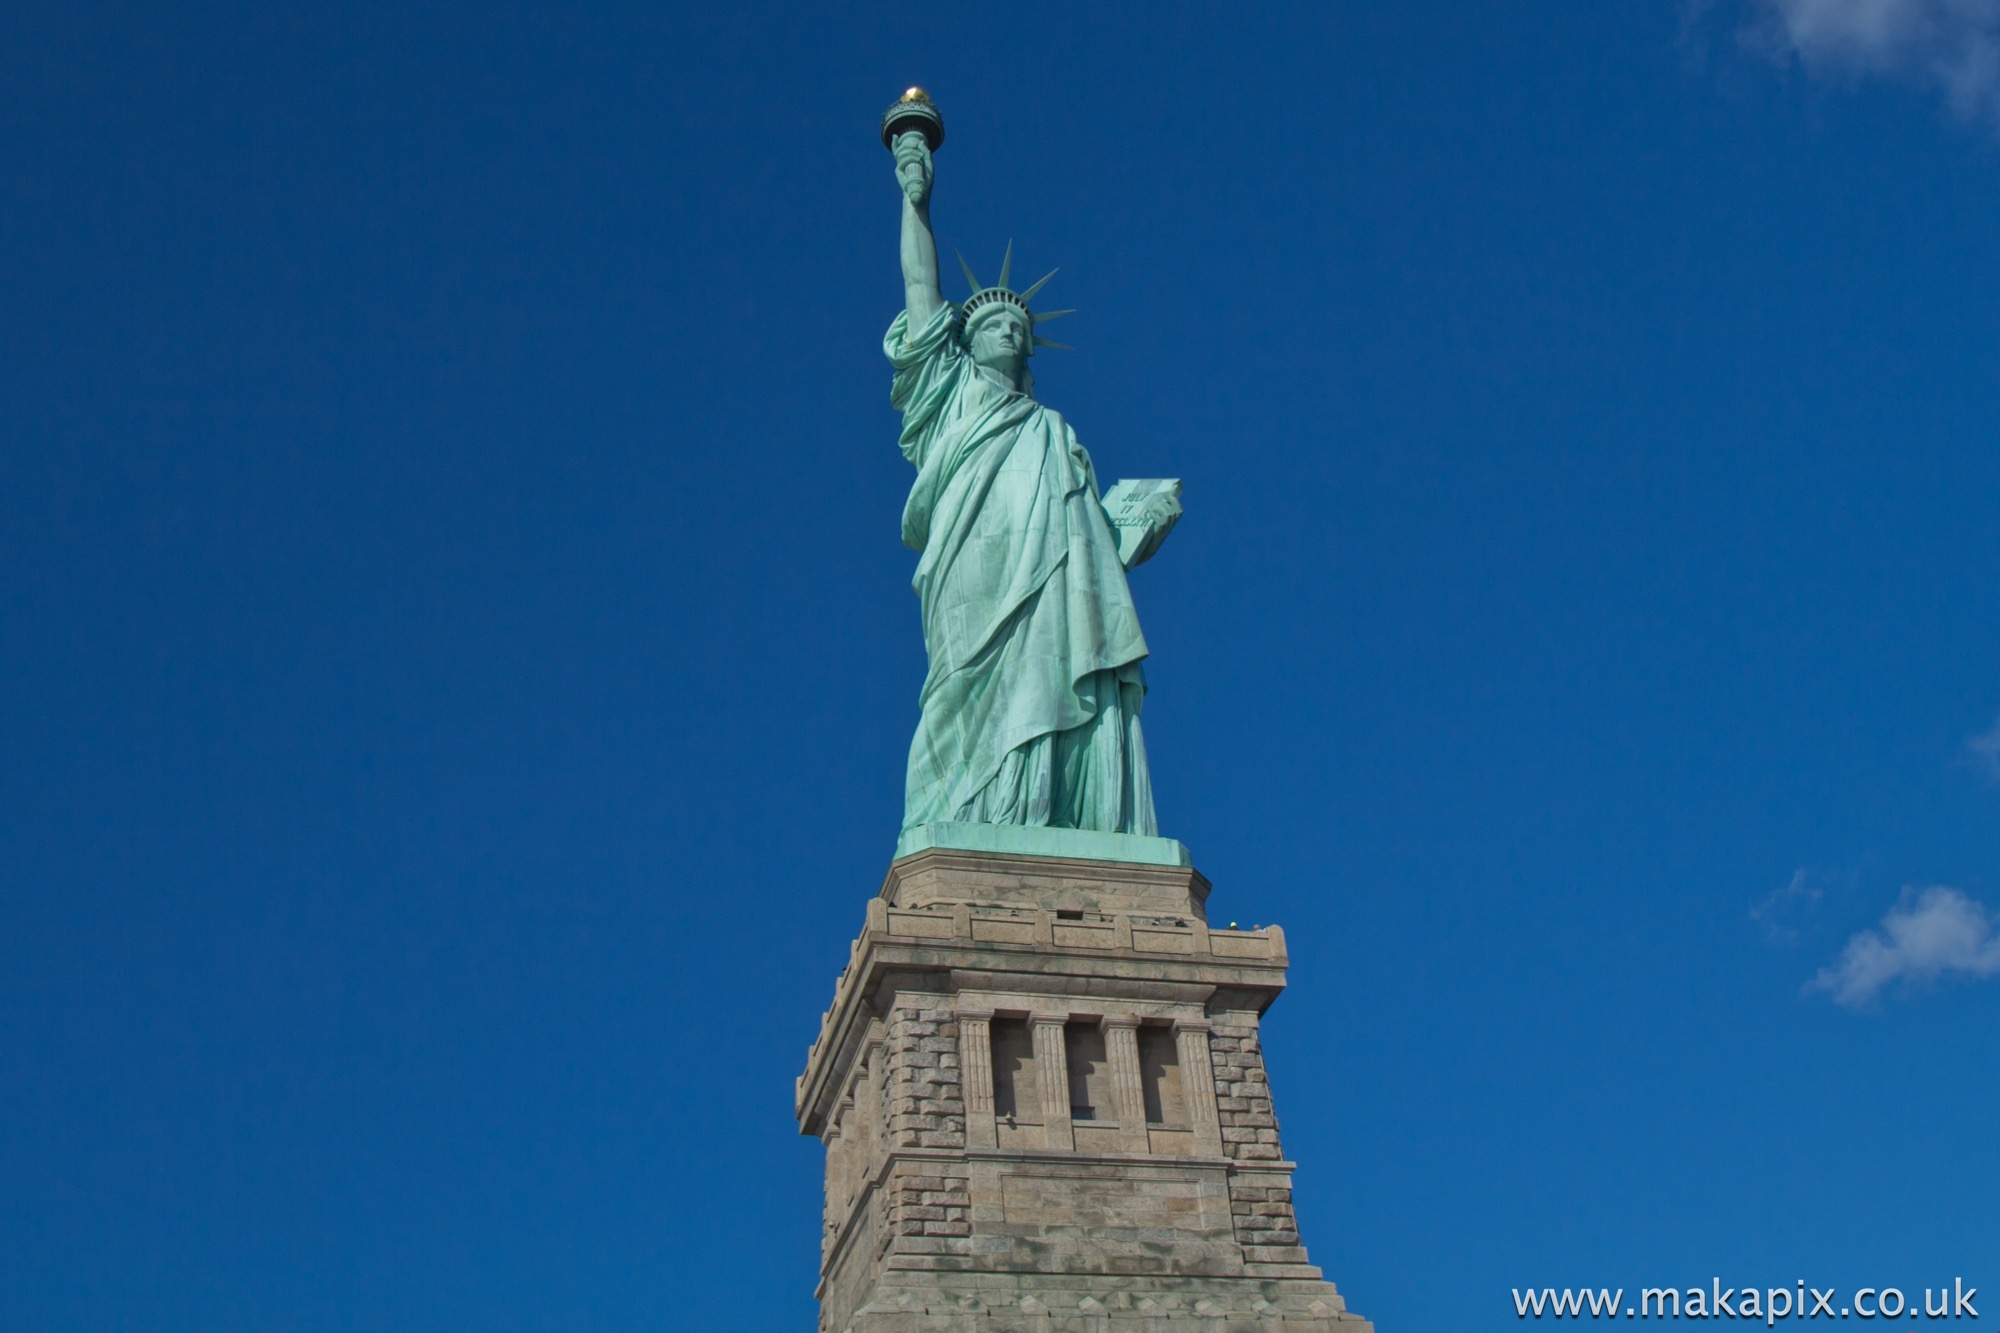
985,298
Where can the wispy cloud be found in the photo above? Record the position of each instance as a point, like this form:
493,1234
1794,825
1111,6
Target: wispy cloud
1936,933
1985,751
1778,909
1952,45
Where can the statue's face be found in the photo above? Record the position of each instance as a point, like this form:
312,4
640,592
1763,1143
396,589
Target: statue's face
1000,342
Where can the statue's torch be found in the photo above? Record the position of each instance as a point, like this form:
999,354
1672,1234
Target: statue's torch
912,112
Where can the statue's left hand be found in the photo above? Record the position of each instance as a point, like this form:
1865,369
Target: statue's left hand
1142,513
913,167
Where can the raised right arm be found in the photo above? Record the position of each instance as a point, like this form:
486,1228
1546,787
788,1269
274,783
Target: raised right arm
922,296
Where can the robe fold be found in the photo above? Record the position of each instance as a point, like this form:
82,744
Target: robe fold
1031,705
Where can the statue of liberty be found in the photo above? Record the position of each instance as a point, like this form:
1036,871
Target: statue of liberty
1031,704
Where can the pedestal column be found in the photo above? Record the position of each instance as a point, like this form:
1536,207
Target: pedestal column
1121,1044
1052,1080
1198,1085
975,1059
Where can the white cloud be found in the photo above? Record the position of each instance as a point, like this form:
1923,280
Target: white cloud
1985,748
1780,908
1936,933
1951,44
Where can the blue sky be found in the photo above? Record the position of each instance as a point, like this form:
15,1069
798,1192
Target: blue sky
458,658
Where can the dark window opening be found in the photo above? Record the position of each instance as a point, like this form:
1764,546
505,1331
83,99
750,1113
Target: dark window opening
1160,1077
1013,1070
1089,1070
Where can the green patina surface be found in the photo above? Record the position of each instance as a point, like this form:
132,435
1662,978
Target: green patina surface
1036,840
1030,710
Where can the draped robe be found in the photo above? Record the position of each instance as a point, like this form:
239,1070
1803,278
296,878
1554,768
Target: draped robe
1031,705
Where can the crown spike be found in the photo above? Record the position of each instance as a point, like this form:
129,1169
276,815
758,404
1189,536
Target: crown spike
1050,342
1030,293
970,281
1044,316
1006,264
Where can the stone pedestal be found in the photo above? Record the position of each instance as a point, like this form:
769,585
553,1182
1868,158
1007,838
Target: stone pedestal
1045,1108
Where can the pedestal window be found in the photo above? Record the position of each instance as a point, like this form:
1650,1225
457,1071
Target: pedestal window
1160,1078
1014,1096
1090,1096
